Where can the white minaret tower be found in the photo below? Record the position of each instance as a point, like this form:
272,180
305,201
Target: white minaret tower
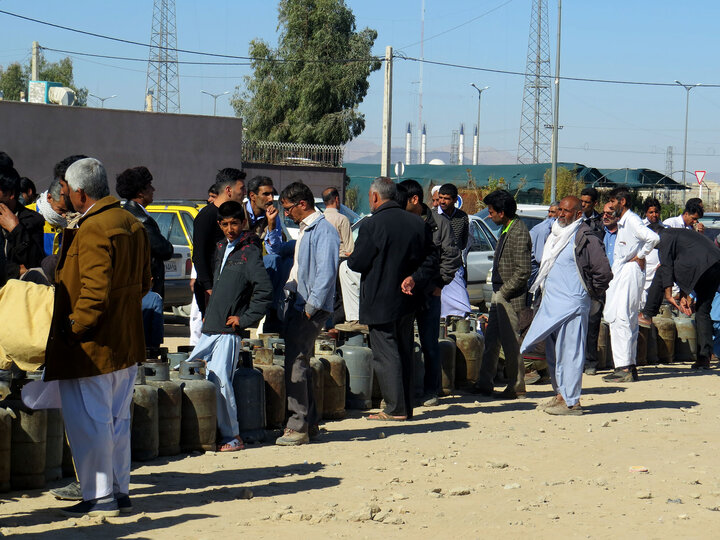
461,145
423,145
475,147
408,145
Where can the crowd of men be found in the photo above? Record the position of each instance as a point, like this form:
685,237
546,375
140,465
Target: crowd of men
552,288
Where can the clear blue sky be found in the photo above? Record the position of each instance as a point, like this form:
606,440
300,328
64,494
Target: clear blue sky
608,126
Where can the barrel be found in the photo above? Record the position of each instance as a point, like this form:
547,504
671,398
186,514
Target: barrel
29,446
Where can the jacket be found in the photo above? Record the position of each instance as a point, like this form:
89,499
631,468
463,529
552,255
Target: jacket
512,263
449,256
595,223
685,255
242,289
317,260
259,225
206,235
592,262
392,244
161,249
24,245
102,275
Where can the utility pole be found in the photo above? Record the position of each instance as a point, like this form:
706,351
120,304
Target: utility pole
387,115
556,115
476,156
35,60
687,88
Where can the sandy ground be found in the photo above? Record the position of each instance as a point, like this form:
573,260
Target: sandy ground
466,469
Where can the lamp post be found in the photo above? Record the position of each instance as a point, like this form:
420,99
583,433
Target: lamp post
102,99
477,147
215,97
687,88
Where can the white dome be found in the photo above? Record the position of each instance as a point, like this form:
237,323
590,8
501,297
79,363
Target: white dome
436,161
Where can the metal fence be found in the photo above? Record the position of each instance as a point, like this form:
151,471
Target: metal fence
281,153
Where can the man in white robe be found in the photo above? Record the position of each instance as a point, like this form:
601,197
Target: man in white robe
574,271
633,243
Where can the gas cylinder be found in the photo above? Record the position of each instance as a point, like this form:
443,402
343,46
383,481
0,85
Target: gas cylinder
248,344
176,357
249,388
68,467
6,416
666,335
686,341
652,351
334,378
169,407
317,370
144,437
418,367
274,377
604,354
198,424
278,349
447,361
29,446
54,445
469,351
358,361
269,339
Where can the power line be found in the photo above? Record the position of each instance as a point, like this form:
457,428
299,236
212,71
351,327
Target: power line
129,59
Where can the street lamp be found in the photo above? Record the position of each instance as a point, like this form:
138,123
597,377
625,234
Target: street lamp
687,88
477,146
102,99
214,96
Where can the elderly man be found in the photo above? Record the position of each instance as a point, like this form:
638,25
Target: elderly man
96,338
633,243
311,292
395,257
510,275
573,272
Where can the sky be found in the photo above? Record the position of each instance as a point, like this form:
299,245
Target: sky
603,125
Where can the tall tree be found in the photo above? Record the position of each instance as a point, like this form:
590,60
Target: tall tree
307,90
15,78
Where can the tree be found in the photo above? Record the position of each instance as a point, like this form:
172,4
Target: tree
567,184
15,78
308,89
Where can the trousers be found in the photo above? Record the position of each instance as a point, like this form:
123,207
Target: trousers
392,347
350,285
97,421
428,321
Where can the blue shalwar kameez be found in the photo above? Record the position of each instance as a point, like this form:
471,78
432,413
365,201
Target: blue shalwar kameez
561,321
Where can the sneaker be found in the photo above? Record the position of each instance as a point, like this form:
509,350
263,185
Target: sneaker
620,375
561,409
531,377
430,400
124,503
549,402
352,326
93,508
292,438
71,492
590,370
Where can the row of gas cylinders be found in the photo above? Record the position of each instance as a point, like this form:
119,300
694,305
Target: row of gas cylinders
671,339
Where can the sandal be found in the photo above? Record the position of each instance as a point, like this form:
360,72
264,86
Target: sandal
233,445
383,416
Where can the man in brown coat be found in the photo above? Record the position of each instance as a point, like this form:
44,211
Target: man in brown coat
96,338
510,274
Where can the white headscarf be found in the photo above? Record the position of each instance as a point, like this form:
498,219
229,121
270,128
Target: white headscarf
50,215
556,242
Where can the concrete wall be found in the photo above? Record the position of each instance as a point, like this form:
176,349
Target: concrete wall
183,152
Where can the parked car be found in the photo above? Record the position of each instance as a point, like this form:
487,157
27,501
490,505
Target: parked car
480,255
176,219
711,220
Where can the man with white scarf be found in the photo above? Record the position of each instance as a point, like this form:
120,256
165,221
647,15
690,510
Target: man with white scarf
574,271
634,242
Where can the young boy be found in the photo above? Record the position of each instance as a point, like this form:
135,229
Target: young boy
239,298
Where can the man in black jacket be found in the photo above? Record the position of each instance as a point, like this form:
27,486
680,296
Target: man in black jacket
135,185
206,231
428,314
395,257
20,227
693,262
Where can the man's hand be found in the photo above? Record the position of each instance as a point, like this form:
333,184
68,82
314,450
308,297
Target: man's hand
407,285
699,227
272,213
641,262
686,304
208,292
233,321
23,270
8,220
192,284
307,315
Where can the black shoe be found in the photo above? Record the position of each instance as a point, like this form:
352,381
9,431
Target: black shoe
93,508
508,393
477,388
123,502
313,431
71,492
620,375
701,365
